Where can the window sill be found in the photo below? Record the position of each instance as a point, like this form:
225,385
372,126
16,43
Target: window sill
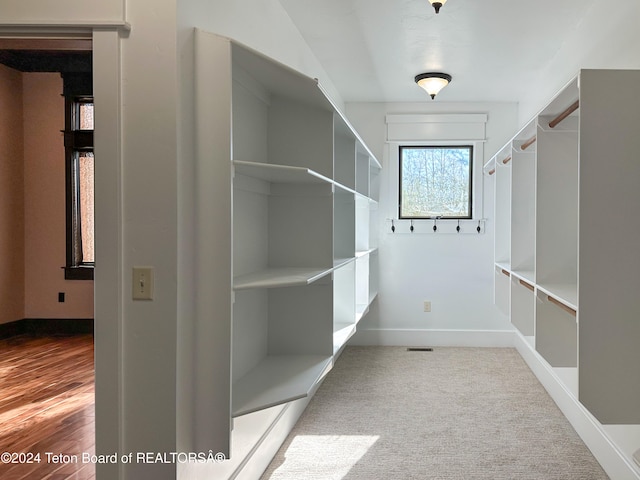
79,273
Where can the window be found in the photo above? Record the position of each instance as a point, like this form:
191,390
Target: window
80,181
435,182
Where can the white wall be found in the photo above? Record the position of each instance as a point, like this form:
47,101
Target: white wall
62,12
453,271
608,37
149,223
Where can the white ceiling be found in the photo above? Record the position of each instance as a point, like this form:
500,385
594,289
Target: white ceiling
372,49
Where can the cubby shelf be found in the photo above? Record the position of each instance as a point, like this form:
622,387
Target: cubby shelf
288,190
566,224
279,173
279,277
342,334
362,253
278,379
526,275
564,292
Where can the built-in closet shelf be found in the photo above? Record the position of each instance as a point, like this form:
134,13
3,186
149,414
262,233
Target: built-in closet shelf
279,173
363,253
287,191
565,293
342,334
341,262
528,276
504,266
276,380
555,183
361,311
577,277
279,277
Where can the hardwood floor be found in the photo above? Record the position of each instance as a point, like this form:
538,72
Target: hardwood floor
47,407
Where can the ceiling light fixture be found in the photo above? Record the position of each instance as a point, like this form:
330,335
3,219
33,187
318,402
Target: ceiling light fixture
433,82
437,4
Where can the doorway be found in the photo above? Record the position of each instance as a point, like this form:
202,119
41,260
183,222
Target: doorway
47,306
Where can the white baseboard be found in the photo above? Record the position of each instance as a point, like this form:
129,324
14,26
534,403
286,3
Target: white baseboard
608,454
433,338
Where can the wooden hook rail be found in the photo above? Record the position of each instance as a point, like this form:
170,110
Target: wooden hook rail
527,285
564,307
528,143
506,160
568,111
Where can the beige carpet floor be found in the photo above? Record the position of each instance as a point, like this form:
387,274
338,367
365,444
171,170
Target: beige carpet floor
454,413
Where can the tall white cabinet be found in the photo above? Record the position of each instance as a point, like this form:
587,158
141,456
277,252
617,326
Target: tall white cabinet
298,199
566,248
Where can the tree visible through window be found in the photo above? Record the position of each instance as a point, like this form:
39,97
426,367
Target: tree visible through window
435,181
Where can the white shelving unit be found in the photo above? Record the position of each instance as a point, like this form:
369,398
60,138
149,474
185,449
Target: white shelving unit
566,258
301,212
523,206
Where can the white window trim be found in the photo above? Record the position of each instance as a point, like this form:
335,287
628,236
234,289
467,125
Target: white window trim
435,130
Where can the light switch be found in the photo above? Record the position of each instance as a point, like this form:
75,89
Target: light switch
143,283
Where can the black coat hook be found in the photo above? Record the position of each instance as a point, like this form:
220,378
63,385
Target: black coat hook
393,227
411,227
458,227
435,227
478,228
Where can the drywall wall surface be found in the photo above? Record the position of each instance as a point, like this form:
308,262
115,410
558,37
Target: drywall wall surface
606,38
11,197
44,203
452,271
62,12
149,233
263,25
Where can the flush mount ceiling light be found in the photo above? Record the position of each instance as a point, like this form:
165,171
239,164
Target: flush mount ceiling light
437,4
433,82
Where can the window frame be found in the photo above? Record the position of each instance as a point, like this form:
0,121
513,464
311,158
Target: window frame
464,145
75,141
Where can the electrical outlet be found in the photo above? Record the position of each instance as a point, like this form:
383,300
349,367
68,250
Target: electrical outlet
427,306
